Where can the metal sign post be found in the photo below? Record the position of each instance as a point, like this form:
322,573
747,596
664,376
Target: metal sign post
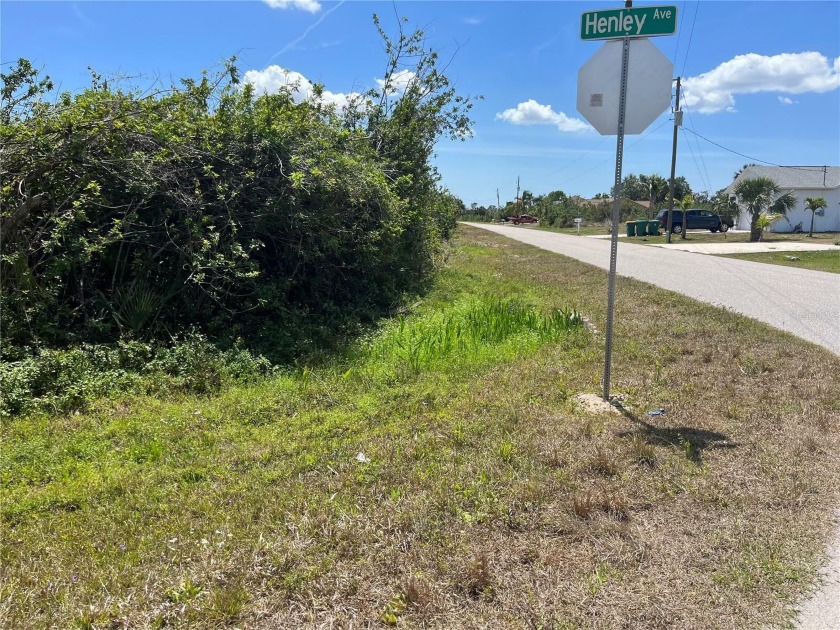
636,97
616,214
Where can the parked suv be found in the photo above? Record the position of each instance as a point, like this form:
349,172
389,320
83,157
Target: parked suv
696,219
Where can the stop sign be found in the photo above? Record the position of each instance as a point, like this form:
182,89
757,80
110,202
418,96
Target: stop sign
649,76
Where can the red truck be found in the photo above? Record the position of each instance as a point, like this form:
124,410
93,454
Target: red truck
523,218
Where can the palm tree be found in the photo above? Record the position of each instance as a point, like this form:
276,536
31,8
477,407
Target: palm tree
684,204
761,195
765,221
813,204
527,199
657,189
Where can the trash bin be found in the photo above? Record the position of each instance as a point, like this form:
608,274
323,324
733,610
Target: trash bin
641,227
631,228
653,227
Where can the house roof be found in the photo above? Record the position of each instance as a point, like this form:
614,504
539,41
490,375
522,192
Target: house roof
609,200
793,177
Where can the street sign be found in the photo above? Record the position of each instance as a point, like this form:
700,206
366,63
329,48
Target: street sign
632,22
649,77
621,90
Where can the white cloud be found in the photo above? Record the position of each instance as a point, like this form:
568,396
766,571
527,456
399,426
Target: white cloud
532,113
398,83
273,78
473,21
304,5
789,73
784,100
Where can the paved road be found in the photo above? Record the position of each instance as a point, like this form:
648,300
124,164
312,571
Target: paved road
803,302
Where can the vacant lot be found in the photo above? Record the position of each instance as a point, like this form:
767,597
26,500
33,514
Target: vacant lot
441,474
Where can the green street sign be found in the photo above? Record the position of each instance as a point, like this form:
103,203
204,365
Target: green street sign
633,22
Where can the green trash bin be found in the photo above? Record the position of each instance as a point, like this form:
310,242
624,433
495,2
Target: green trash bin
631,228
641,227
653,227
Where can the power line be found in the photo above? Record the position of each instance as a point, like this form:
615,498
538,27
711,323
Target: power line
600,164
693,157
685,63
679,35
690,37
575,161
704,174
811,169
733,150
700,152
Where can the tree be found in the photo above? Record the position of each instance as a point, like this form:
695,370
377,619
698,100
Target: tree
760,196
813,204
653,189
527,200
657,191
681,188
635,188
207,205
21,91
722,203
684,204
765,221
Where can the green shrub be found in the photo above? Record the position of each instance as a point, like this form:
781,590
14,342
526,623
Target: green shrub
210,206
60,381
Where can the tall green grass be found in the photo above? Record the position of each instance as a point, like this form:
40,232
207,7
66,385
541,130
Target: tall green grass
143,476
471,330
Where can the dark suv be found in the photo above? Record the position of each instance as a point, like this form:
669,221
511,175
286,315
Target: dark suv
696,219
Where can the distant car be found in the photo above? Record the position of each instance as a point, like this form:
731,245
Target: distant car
523,218
695,219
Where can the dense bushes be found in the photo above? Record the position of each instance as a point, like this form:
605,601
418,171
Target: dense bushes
209,207
124,212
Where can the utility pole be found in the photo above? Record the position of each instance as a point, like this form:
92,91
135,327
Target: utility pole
677,124
498,203
518,209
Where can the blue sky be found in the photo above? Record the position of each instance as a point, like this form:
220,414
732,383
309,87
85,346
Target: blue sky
761,78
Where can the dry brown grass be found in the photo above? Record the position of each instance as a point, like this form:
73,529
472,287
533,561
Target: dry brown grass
713,514
710,516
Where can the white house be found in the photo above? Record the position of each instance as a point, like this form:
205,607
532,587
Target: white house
802,182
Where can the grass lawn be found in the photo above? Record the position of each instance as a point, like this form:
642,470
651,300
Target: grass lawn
442,475
704,236
589,230
819,261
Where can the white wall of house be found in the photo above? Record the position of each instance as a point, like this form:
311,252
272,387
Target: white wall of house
828,222
814,181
